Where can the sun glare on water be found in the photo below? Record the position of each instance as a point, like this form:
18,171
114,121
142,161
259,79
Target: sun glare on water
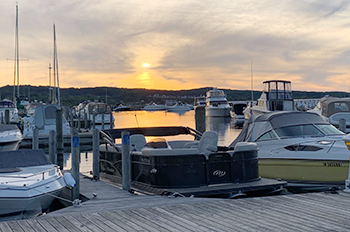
146,65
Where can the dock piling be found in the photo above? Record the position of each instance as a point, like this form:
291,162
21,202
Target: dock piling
35,141
126,165
96,154
59,138
75,150
52,147
7,116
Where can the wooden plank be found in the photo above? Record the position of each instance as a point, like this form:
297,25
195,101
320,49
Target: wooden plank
111,216
45,224
14,226
67,224
35,225
56,224
25,226
136,218
4,227
82,225
100,222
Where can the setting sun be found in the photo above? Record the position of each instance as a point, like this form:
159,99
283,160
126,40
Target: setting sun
146,65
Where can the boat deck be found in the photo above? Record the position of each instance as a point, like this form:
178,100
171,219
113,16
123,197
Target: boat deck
114,209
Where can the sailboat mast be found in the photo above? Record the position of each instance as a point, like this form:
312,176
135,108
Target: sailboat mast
55,65
251,80
16,61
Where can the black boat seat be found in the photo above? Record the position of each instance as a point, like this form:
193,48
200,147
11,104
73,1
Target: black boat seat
158,143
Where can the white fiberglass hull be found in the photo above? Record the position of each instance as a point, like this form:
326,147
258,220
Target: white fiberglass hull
30,191
217,111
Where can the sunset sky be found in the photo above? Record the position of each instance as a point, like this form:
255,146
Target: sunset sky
179,44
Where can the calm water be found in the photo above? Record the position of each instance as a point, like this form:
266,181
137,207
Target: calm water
225,127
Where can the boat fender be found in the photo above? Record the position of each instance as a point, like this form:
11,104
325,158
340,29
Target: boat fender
68,178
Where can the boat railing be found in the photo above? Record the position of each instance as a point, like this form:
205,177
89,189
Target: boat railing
21,178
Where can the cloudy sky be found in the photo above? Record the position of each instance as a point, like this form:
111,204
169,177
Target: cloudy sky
179,44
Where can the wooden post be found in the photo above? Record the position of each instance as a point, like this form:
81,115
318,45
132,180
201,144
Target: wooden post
75,150
85,120
93,120
200,119
52,147
59,138
342,125
79,123
103,121
126,165
2,118
35,139
96,154
7,116
111,126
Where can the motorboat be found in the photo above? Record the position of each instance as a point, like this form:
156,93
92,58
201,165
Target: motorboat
45,120
164,161
28,183
299,147
10,137
95,111
9,106
276,96
199,102
217,104
152,106
179,107
237,110
334,109
121,107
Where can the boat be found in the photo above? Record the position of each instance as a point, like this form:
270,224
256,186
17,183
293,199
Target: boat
164,163
99,111
332,109
276,96
121,107
28,183
10,137
298,147
237,110
199,102
216,104
152,106
9,106
45,120
179,107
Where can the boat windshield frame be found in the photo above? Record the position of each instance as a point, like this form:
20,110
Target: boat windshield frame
307,130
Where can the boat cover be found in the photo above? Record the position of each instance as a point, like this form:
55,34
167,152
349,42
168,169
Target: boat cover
274,120
46,115
22,158
332,105
8,127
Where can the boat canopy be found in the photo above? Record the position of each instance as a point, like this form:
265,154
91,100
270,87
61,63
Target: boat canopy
21,158
253,130
332,105
46,115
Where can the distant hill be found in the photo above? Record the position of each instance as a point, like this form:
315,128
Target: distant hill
114,96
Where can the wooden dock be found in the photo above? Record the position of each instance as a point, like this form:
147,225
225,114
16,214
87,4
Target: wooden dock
114,209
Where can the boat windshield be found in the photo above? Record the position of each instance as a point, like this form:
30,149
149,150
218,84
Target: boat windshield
307,130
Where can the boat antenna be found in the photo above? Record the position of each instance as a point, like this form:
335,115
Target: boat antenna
16,62
251,80
137,122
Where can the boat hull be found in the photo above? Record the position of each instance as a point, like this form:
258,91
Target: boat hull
217,112
333,172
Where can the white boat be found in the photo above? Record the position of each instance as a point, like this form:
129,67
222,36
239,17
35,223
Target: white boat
121,107
152,106
199,102
299,147
276,96
333,109
237,110
217,104
45,120
28,183
8,105
101,110
179,107
10,137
